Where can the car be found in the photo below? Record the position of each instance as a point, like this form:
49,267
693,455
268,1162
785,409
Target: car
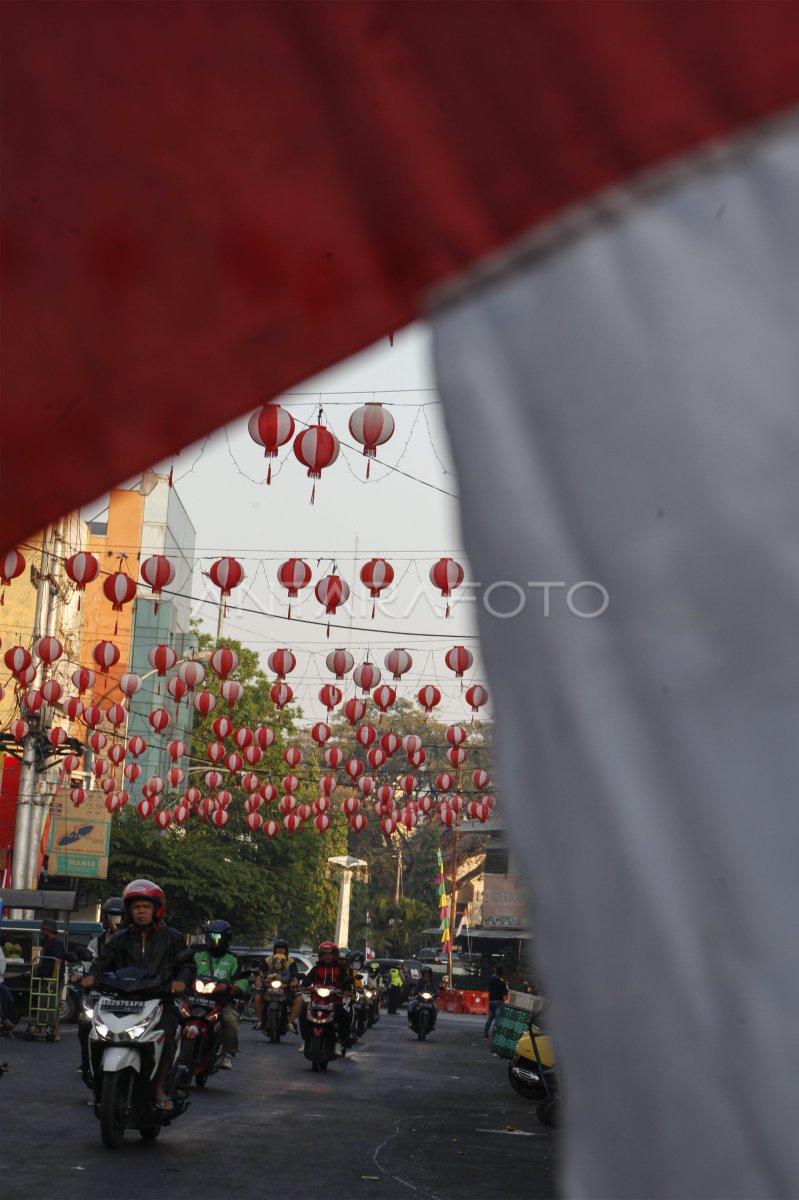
434,954
412,969
251,957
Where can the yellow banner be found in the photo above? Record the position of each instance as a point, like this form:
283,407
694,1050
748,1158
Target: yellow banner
79,837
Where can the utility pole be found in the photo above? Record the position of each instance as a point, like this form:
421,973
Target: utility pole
454,884
398,885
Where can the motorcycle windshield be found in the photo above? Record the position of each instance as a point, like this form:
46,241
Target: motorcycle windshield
130,980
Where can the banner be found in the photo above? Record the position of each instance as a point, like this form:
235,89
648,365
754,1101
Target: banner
79,838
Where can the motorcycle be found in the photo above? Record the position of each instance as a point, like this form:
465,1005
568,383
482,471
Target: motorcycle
422,1013
359,1012
321,1044
275,1020
371,998
125,1047
532,1073
201,1036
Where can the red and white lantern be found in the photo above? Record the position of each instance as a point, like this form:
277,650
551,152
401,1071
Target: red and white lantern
293,574
191,673
408,784
456,734
350,805
456,756
264,736
384,696
34,700
132,772
376,757
215,751
316,448
77,796
93,715
389,826
82,568
17,658
376,574
429,696
330,696
459,659
116,715
252,755
320,733
51,691
48,649
268,792
234,762
163,818
158,572
176,688
281,663
130,684
365,785
224,661
176,749
359,822
83,679
117,753
243,737
144,808
19,729
398,662
445,782
322,822
57,737
446,815
253,821
120,589
220,818
366,676
365,735
417,758
271,829
231,691
227,573
331,592
106,655
292,755
371,425
334,757
271,427
98,741
354,768
290,784
159,719
476,696
354,710
281,695
411,743
390,743
12,565
222,726
446,574
292,822
162,658
136,746
328,784
340,662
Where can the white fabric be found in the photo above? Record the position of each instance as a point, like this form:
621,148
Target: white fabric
625,411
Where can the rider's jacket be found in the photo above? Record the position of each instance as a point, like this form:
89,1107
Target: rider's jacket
155,953
225,967
329,975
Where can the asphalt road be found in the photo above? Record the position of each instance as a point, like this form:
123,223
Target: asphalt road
398,1118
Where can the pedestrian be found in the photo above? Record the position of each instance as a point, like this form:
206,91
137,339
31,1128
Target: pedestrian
48,966
396,980
8,1010
497,995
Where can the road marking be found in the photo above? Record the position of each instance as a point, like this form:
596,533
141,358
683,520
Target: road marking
510,1132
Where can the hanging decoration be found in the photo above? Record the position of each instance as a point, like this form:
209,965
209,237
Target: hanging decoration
130,683
366,676
481,779
224,661
271,427
204,702
191,673
116,715
243,737
215,752
227,573
57,737
476,696
83,679
411,743
73,708
117,753
231,691
331,592
456,755
48,649
120,589
162,658
417,758
384,696
158,572
456,734
281,663
293,574
12,565
292,755
271,829
429,696
268,792
376,757
377,575
159,719
264,736
93,715
176,688
252,755
398,662
222,727
320,733
82,568
281,695
390,743
26,676
446,574
459,659
371,426
19,729
330,696
322,822
51,691
136,745
33,700
17,658
354,767
334,757
106,655
316,448
176,749
359,822
340,662
354,710
365,735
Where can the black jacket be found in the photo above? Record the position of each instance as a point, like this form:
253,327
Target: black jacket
156,954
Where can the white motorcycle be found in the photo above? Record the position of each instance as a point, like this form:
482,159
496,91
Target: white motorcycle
125,1048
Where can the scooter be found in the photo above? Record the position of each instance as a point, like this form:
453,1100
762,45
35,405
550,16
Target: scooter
275,1020
321,1036
125,1048
422,1014
532,1073
359,1012
371,999
201,1036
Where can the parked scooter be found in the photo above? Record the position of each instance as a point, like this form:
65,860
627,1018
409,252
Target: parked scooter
276,1002
422,1013
125,1047
533,1074
321,1035
201,1049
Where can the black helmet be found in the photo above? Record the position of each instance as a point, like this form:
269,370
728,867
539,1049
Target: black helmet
113,913
217,937
281,943
427,971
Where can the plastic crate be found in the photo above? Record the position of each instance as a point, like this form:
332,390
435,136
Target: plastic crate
510,1024
525,1001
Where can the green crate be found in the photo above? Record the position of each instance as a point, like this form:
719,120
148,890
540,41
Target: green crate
510,1024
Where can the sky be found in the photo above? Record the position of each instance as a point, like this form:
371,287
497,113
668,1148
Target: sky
410,516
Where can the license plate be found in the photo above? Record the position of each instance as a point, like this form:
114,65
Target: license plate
122,1007
203,1002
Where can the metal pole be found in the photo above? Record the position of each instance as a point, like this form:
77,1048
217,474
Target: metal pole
220,620
343,916
454,885
398,885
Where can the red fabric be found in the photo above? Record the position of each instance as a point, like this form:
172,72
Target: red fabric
206,202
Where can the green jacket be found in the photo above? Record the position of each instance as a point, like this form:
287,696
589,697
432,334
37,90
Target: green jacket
225,967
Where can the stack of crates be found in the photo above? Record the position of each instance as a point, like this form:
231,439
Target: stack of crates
513,1020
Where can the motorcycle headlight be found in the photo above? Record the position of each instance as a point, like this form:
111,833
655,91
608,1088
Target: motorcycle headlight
426,996
323,992
136,1031
276,983
202,987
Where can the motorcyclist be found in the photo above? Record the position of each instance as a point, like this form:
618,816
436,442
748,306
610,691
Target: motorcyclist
425,984
329,971
113,918
153,947
216,961
279,963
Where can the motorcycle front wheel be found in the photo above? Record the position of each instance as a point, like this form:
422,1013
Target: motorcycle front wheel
272,1026
114,1100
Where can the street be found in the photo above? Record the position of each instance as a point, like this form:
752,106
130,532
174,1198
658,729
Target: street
397,1117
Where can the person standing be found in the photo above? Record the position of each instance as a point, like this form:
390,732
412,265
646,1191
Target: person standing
48,967
497,995
396,980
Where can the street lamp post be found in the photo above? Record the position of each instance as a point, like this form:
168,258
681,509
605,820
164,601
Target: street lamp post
350,867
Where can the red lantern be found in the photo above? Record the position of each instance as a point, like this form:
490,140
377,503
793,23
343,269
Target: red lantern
408,784
322,803
354,710
409,818
456,755
136,746
268,792
176,749
117,715
385,795
350,805
82,568
12,565
132,772
377,575
51,691
206,807
488,801
48,649
120,589
100,767
83,679
290,784
213,780
446,815
292,822
243,737
226,573
417,759
330,696
389,826
163,819
192,796
294,574
281,695
180,814
365,785
26,676
287,804
281,663
162,658
250,782
231,691
429,697
154,786
456,734
271,829
117,753
224,661
112,802
328,784
411,743
398,662
107,785
17,658
77,796
93,715
222,727
215,751
220,818
33,700
271,427
322,822
293,756
222,799
253,803
340,662
320,733
354,767
19,729
483,812
264,736
106,655
371,425
254,821
159,719
359,822
446,574
316,448
57,736
191,674
130,684
445,782
476,696
176,688
334,757
376,757
366,676
456,803
234,762
159,572
204,703
384,696
252,755
390,743
331,592
97,741
365,735
459,659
